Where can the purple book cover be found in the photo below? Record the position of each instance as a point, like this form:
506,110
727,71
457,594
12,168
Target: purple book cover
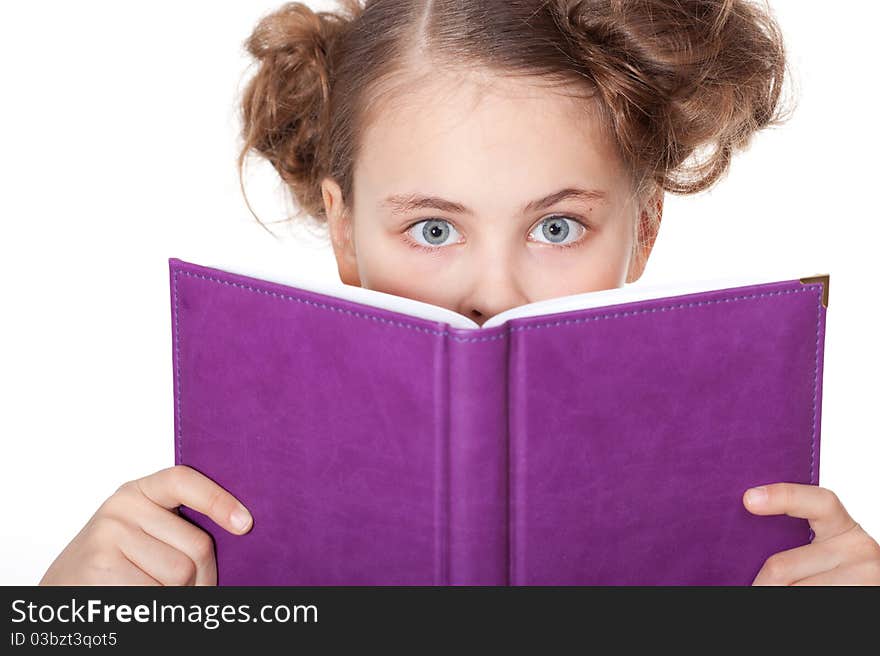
605,445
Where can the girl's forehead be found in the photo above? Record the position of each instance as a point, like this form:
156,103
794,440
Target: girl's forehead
504,132
483,99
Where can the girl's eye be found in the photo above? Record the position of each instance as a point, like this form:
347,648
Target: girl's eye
431,233
555,229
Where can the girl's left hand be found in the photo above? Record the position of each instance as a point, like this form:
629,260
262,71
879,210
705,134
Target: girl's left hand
841,552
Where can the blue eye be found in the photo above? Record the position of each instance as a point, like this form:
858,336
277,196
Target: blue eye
555,229
431,233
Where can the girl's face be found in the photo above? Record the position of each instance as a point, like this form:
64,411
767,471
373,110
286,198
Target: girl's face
479,194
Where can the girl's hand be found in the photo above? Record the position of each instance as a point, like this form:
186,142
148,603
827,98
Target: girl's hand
136,537
841,553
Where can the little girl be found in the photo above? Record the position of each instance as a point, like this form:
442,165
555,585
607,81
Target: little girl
480,155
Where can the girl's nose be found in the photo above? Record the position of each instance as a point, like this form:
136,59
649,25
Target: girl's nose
491,294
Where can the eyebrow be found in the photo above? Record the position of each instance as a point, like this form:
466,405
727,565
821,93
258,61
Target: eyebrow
400,203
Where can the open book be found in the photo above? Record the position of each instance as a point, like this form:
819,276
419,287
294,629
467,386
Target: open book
599,438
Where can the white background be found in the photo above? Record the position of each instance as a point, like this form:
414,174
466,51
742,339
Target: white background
120,134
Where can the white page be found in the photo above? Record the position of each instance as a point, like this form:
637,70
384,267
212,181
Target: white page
629,293
272,271
635,292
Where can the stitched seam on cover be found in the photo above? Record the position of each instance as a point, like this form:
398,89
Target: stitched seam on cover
177,372
815,387
678,306
815,393
400,324
442,462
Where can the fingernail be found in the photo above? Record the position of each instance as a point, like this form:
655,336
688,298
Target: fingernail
240,518
756,496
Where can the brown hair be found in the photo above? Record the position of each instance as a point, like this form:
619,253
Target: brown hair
681,84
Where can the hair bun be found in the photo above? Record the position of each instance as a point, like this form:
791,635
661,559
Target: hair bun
284,105
687,82
296,39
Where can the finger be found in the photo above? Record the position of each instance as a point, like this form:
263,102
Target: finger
158,559
786,567
866,572
820,506
134,575
182,485
183,536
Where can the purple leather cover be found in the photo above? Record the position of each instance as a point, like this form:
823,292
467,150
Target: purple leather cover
608,446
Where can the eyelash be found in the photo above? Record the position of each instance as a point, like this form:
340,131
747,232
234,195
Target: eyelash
435,249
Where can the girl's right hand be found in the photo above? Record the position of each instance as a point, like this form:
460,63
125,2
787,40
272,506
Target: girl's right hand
136,537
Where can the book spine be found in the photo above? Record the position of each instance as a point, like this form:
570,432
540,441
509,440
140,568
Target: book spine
477,456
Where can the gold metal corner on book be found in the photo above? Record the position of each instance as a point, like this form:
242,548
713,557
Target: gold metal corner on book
825,279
